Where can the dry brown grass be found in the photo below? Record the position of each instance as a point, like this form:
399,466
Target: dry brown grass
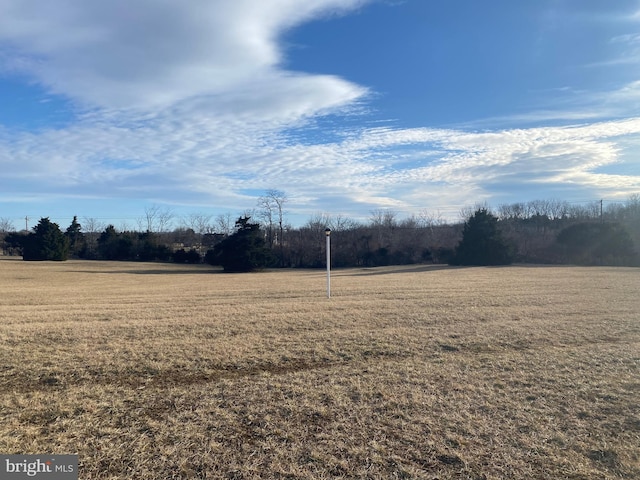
156,371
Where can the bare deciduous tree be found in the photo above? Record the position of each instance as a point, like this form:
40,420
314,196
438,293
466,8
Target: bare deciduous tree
156,219
225,223
6,225
383,218
198,222
319,222
271,211
467,212
383,222
92,228
427,219
339,223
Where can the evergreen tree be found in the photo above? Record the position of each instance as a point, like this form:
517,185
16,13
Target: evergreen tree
149,248
482,242
46,242
75,236
183,256
115,246
244,251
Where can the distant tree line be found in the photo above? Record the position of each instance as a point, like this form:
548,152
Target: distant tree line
551,232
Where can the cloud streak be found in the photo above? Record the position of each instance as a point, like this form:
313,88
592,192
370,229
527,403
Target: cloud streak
200,160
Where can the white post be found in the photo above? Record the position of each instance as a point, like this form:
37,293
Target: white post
327,232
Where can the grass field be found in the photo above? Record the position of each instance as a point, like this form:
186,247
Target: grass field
152,371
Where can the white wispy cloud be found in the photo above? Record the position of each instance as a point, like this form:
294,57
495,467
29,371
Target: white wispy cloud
522,158
188,103
629,39
205,160
573,106
149,53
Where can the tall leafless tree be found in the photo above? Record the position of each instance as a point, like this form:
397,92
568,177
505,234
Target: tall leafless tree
198,222
225,223
92,227
156,219
271,211
6,225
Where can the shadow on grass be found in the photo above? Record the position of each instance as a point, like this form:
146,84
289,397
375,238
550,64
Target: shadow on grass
156,271
417,268
173,269
392,269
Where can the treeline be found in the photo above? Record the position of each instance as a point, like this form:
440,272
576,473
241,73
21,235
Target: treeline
48,242
551,232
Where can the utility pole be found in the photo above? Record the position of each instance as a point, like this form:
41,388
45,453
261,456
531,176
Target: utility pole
601,216
26,223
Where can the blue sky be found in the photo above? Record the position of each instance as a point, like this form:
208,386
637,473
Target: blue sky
347,106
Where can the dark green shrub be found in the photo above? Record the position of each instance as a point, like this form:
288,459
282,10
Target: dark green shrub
244,251
182,256
482,243
46,242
